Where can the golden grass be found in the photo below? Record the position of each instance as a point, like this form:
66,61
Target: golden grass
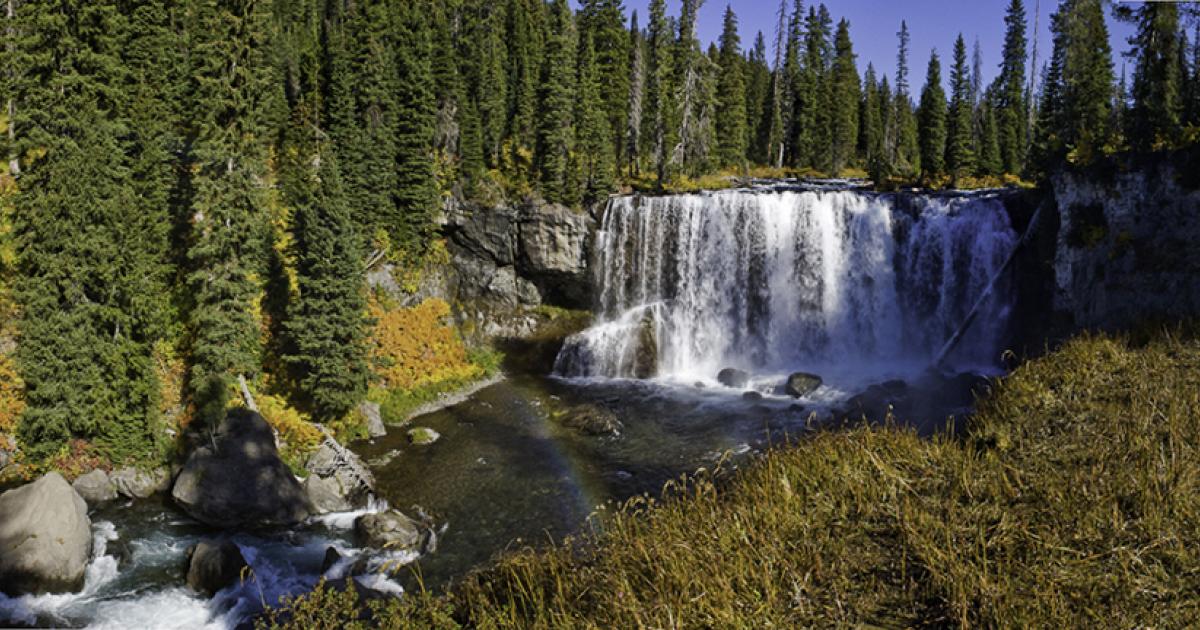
1072,499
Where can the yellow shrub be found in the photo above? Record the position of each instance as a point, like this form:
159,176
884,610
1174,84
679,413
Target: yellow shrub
294,428
412,347
12,401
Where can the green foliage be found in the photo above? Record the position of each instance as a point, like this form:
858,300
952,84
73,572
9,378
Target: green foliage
931,118
555,131
960,154
844,84
1154,121
731,93
1011,102
595,147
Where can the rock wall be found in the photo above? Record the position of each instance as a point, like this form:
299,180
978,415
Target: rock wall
1127,249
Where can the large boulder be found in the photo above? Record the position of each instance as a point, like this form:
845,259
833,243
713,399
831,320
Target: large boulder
341,472
326,494
213,566
239,480
95,487
134,483
45,537
374,419
391,530
801,384
733,377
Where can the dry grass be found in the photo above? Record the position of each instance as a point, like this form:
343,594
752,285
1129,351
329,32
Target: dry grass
1071,500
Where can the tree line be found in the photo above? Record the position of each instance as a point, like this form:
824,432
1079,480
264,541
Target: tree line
216,175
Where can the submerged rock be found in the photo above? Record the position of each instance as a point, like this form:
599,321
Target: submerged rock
95,487
422,436
133,483
733,377
240,481
213,566
374,419
45,537
752,395
593,420
801,384
392,530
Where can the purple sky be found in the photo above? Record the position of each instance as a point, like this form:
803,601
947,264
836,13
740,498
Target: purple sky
873,26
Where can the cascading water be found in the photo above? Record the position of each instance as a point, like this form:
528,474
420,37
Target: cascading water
773,281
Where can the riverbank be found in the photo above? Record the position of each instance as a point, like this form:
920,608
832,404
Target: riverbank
1071,497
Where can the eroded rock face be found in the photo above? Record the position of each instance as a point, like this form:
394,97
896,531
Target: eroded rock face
242,482
213,566
553,248
45,537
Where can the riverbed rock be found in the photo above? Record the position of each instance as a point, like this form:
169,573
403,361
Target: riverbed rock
326,494
801,384
422,436
239,481
213,566
391,529
45,537
332,461
593,420
752,395
374,419
133,483
733,377
95,487
646,358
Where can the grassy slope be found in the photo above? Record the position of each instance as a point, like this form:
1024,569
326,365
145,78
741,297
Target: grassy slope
1073,499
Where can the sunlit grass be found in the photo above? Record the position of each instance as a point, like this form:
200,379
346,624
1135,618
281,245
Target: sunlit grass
1072,499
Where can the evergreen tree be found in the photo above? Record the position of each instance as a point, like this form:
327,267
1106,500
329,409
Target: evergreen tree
907,153
416,189
818,61
637,95
731,110
773,122
556,132
1155,118
881,164
237,101
870,135
845,91
960,158
932,120
604,21
1192,102
491,81
90,252
658,103
690,150
1087,78
1010,97
794,106
989,162
524,53
758,88
594,132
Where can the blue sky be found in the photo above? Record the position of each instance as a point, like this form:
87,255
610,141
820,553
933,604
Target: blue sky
874,23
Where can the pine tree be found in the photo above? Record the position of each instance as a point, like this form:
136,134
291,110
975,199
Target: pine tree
989,163
907,150
1192,104
773,121
659,100
416,190
604,21
524,53
594,142
818,62
1087,79
931,118
870,135
960,158
637,96
758,87
731,110
845,91
1010,105
690,151
556,130
794,106
491,84
236,101
1154,120
90,252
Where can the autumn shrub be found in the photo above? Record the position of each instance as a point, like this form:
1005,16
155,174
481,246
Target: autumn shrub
298,436
12,402
415,347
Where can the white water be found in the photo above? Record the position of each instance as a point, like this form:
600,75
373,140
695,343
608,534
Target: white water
848,284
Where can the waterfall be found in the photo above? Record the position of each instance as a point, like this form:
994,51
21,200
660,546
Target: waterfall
771,281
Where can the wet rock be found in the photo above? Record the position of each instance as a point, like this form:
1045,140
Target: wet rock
645,361
239,480
374,419
95,488
133,483
752,395
326,494
593,420
45,537
733,377
699,385
391,530
801,384
422,436
354,482
213,566
332,557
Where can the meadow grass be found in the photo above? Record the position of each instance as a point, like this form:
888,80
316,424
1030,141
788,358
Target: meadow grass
1071,499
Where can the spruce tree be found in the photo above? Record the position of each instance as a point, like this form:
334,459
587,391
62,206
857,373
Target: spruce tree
731,110
758,87
772,126
844,84
870,135
1087,79
237,99
659,100
795,100
637,97
818,62
594,142
604,21
907,146
1154,120
556,130
988,162
960,157
686,118
931,118
1010,97
416,190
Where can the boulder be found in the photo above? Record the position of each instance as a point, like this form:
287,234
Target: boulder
374,419
239,480
645,360
733,377
593,420
801,384
213,566
326,494
332,557
355,482
390,529
422,436
45,537
752,395
95,488
133,483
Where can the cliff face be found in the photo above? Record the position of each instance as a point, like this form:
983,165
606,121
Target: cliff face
1127,249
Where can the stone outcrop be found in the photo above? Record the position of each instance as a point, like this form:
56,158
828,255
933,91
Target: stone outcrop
133,483
338,479
373,417
238,480
393,530
45,537
95,487
213,566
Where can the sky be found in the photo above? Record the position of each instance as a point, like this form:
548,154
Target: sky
874,23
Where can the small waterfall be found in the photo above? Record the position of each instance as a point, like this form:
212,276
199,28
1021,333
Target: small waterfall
773,281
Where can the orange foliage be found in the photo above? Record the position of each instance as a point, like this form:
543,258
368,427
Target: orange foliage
412,347
12,401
